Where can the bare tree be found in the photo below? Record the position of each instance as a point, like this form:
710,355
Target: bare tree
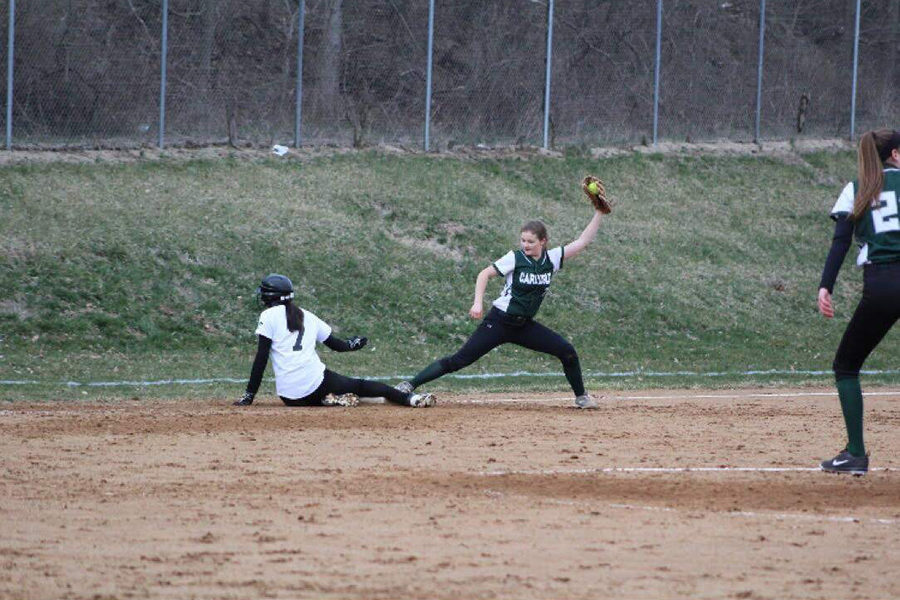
209,15
329,70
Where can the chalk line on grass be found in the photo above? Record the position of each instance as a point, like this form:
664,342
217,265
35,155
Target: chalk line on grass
464,376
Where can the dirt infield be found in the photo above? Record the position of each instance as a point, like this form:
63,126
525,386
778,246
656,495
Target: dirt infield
667,494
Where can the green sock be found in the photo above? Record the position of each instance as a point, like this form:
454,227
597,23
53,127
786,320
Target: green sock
432,371
852,406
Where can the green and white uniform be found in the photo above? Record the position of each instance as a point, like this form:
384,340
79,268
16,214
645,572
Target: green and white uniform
527,280
878,232
511,321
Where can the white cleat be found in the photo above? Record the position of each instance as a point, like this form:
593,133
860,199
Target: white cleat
421,400
585,401
341,400
405,387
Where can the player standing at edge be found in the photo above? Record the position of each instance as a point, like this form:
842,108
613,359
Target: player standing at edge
867,208
528,272
289,334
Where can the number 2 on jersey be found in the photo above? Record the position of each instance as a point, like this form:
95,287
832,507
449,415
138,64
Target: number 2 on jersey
884,216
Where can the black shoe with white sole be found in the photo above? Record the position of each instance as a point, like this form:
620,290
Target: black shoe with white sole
845,462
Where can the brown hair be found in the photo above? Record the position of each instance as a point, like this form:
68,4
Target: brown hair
539,229
294,316
874,149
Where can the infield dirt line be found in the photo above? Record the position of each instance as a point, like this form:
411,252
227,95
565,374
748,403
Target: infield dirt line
729,513
658,470
729,396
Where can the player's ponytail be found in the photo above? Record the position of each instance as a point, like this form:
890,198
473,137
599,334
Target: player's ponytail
875,148
294,316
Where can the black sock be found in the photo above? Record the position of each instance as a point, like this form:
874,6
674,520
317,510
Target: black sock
572,369
374,389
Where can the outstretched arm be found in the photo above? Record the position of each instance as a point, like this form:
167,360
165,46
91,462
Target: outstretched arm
477,310
349,345
587,236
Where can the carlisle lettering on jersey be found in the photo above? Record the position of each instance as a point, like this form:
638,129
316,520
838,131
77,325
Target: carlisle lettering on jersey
527,280
535,278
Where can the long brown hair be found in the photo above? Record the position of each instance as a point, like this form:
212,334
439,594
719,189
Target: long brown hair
874,149
294,316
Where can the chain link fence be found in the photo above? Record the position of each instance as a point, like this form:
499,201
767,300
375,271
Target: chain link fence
488,92
807,77
879,71
84,72
603,65
89,74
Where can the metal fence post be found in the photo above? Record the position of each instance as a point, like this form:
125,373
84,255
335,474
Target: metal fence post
162,78
759,72
299,112
855,62
659,4
9,72
547,78
428,75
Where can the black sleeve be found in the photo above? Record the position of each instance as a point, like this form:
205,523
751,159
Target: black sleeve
336,344
259,364
840,244
354,343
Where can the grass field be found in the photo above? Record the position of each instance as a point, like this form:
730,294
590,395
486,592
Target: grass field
145,271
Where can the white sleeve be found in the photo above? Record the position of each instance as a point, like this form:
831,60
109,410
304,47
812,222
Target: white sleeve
844,204
556,257
264,327
322,329
505,263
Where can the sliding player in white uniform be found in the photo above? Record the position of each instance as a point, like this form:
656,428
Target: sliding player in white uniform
288,334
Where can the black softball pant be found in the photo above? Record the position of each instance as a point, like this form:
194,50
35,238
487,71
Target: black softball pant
498,328
334,383
875,314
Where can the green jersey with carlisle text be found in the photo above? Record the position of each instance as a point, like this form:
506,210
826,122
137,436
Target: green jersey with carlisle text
527,280
878,231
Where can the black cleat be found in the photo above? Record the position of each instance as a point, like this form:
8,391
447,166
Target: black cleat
845,462
246,400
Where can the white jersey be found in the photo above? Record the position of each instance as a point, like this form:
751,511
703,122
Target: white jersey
298,369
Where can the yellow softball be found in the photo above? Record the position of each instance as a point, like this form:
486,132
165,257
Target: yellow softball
593,187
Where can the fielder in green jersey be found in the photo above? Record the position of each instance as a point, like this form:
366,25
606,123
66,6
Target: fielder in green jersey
528,272
867,210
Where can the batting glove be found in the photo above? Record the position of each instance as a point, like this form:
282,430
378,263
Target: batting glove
357,343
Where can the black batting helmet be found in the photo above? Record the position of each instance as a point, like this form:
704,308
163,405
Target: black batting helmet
275,289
